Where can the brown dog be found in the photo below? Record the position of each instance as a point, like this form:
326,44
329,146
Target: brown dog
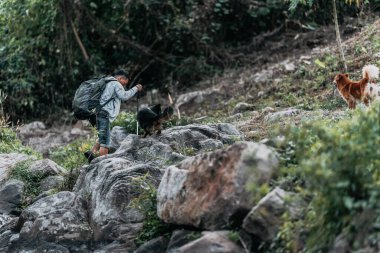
353,92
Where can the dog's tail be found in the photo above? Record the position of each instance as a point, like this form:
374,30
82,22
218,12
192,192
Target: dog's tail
371,72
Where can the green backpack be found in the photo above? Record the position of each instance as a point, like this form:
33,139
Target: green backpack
86,101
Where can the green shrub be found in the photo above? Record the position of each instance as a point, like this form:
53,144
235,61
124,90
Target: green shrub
31,180
147,203
338,164
9,143
128,121
71,158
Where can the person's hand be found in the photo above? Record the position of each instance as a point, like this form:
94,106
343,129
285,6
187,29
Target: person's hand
139,87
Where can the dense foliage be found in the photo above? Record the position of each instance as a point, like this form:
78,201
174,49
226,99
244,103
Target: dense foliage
47,47
336,166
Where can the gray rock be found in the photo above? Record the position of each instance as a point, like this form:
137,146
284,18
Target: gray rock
265,218
46,167
43,140
6,224
51,182
242,107
289,66
193,101
216,184
235,117
156,245
35,128
57,222
275,142
182,237
267,110
263,76
210,144
8,161
114,247
341,245
277,116
11,194
4,240
216,242
110,186
118,134
176,143
261,94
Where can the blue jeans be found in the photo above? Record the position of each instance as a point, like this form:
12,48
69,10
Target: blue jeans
103,127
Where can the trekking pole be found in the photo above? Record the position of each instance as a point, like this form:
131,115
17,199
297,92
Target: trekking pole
137,110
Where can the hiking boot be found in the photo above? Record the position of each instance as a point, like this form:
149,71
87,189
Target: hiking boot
89,155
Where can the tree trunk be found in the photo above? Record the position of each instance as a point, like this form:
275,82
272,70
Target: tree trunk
342,58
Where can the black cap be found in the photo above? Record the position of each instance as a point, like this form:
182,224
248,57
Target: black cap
122,72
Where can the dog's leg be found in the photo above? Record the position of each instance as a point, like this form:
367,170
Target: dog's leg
367,100
158,128
352,104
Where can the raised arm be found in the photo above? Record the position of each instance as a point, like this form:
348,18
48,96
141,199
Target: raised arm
125,94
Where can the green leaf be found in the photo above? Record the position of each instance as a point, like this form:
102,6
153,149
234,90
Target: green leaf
348,202
320,63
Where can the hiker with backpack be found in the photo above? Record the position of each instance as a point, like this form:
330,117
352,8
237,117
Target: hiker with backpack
99,100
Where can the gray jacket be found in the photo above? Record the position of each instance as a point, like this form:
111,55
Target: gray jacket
115,90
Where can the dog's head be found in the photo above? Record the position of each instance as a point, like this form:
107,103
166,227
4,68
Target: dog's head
166,114
340,78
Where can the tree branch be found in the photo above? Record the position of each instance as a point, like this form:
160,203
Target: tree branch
82,48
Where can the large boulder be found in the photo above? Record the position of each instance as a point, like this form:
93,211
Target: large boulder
209,191
11,194
59,221
110,187
176,143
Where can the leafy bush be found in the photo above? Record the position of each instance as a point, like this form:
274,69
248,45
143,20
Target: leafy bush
147,203
338,165
128,121
31,180
9,143
71,158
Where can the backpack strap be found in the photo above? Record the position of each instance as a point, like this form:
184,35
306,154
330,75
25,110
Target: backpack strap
109,100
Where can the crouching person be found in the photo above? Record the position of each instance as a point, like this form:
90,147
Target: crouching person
111,98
